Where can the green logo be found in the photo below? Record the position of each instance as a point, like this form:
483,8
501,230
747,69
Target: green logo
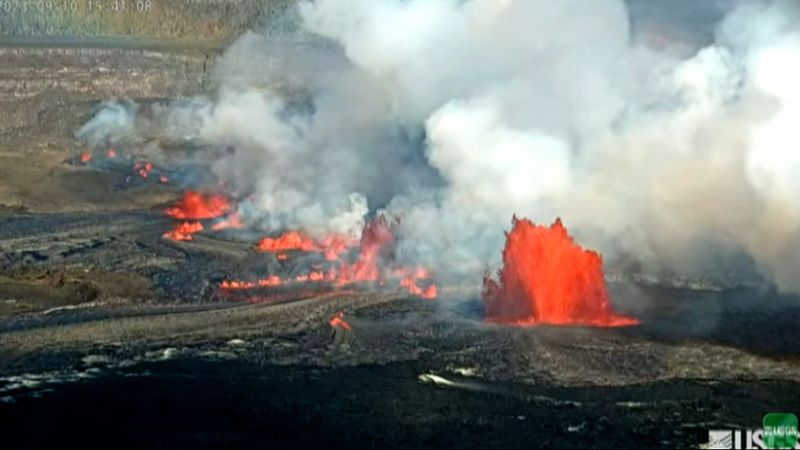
780,430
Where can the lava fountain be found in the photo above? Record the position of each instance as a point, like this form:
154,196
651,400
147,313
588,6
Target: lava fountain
548,279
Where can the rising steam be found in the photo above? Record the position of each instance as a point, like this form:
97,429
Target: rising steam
454,115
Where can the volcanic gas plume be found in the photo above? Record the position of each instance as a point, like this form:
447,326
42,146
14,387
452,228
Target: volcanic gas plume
548,279
679,159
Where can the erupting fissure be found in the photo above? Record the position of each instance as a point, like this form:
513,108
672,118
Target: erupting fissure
548,279
374,248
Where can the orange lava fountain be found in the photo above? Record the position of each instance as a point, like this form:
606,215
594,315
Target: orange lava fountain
548,279
196,205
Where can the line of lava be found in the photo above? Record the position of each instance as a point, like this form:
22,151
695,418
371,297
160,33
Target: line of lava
376,239
331,245
548,279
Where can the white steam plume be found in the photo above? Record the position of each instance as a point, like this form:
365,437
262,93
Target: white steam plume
551,108
112,121
456,114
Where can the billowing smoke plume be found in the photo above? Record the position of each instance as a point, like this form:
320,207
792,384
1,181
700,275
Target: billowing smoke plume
112,121
457,114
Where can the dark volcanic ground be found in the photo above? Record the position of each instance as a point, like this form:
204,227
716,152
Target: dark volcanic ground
186,402
84,361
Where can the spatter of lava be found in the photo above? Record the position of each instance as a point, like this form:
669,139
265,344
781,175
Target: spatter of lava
184,231
548,279
331,245
197,205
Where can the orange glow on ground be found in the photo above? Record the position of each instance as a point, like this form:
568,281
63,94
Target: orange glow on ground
337,321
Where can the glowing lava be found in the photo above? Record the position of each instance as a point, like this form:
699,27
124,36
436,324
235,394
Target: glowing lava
548,279
375,249
429,292
410,280
331,246
86,157
291,240
375,239
196,205
271,281
184,231
337,321
143,168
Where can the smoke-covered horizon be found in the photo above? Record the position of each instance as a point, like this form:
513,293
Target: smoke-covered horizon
663,150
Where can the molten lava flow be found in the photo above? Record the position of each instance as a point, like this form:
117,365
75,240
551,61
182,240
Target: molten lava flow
270,281
291,240
337,321
195,205
547,278
331,245
410,280
184,231
375,245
